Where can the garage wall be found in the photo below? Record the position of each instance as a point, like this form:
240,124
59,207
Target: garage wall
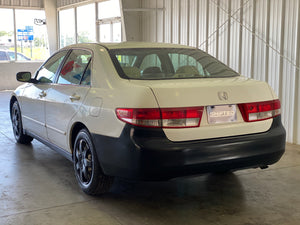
22,3
258,38
61,3
10,69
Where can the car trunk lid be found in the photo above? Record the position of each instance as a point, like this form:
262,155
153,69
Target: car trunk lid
213,92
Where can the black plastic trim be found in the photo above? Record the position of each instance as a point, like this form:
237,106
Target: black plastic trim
54,147
147,154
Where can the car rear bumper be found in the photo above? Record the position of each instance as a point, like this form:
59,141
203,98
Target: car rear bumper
147,154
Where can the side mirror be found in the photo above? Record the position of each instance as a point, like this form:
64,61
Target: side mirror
24,76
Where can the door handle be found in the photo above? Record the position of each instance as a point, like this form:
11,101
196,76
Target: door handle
74,97
42,94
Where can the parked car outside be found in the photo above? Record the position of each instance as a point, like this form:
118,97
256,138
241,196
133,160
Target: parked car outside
146,111
10,56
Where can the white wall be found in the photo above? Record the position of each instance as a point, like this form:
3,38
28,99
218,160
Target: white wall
131,17
258,38
51,18
8,71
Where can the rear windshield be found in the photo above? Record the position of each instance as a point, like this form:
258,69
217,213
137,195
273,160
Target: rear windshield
168,63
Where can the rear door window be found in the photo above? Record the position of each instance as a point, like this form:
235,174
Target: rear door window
75,68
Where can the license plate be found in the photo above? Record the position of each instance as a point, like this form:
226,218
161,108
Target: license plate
221,114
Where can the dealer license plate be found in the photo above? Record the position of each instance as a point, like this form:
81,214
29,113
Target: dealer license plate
221,114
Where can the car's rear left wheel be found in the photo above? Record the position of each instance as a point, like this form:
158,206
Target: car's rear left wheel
88,172
16,121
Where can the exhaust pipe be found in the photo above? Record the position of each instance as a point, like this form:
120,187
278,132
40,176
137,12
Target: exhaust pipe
264,167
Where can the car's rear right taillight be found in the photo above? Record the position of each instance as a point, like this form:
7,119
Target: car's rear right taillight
161,117
256,111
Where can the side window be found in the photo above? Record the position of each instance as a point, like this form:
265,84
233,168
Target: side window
48,70
75,67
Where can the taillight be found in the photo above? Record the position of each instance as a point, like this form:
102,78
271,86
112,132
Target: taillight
163,118
257,111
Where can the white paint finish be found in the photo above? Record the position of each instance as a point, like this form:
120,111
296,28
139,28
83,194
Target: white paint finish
52,30
202,24
23,3
62,3
33,108
234,35
204,92
132,20
60,109
8,71
218,130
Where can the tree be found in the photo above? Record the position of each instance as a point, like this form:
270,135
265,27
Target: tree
3,33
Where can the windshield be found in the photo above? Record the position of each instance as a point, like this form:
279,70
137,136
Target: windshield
168,63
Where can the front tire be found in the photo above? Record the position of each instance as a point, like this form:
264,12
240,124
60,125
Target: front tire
16,121
88,172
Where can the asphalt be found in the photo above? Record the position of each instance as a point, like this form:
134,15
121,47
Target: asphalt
38,186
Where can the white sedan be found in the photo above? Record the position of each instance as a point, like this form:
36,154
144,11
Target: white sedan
146,111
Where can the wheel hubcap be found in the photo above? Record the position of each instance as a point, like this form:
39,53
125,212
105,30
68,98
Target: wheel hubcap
83,161
16,122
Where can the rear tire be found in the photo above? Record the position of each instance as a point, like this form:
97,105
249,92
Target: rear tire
16,121
88,172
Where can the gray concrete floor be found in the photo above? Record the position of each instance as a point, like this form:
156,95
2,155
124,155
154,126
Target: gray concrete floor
37,186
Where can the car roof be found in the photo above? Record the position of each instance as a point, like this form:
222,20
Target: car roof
129,44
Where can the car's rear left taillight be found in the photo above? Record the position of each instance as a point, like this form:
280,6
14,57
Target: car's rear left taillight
161,117
256,111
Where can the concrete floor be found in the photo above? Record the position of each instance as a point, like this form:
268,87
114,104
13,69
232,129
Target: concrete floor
37,186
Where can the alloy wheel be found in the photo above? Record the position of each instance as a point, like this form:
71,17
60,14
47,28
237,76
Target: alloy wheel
83,161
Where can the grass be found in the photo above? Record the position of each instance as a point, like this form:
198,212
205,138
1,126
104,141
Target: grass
38,53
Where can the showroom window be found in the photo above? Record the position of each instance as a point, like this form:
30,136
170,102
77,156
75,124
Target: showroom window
67,27
109,21
6,34
90,23
86,30
30,33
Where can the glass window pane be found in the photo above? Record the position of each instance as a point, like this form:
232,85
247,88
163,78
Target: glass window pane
32,39
86,23
74,67
109,9
150,62
105,34
117,32
168,63
6,34
48,70
67,27
86,79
